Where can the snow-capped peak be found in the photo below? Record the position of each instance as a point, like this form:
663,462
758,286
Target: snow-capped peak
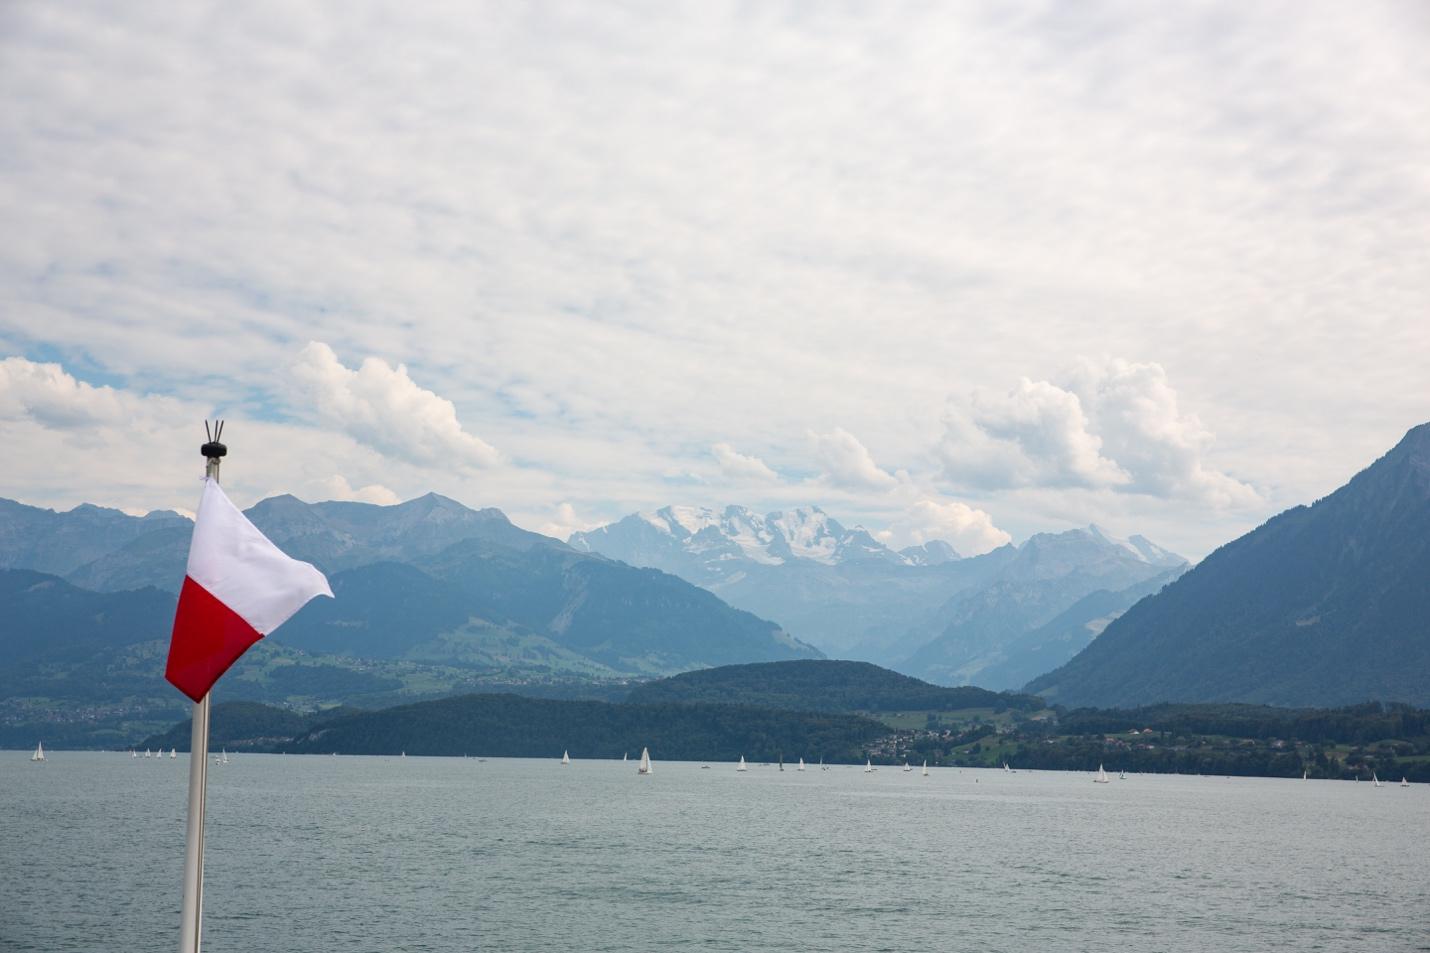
1140,547
802,533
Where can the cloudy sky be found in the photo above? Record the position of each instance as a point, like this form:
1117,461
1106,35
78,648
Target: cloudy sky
951,271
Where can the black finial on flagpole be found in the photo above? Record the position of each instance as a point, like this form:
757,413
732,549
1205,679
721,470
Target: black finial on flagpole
214,450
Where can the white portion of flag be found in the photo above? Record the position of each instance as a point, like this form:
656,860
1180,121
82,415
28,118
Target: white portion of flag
241,568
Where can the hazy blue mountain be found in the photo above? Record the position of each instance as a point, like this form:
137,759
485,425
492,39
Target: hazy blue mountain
821,685
980,633
333,536
1327,604
923,610
59,543
1049,645
834,587
935,552
433,580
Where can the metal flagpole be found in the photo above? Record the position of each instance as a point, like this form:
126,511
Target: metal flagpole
191,930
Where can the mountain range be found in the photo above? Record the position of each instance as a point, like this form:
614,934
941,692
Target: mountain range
922,610
428,580
1327,604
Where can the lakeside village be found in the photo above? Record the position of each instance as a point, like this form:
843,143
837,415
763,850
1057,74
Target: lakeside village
1363,742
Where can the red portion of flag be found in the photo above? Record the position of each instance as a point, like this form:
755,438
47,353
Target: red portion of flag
208,638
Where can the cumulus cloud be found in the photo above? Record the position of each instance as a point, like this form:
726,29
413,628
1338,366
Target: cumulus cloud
381,406
739,466
846,462
970,530
337,487
565,522
1110,425
51,397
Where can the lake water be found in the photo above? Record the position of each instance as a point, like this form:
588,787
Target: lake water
324,854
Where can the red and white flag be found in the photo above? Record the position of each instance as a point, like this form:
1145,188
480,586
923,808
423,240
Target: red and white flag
238,588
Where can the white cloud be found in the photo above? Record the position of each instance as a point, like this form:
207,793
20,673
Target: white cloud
1036,434
693,223
565,522
739,466
844,461
336,487
51,397
1134,410
381,406
1111,425
969,530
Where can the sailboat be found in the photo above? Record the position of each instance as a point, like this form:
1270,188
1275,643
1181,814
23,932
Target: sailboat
645,767
224,759
868,766
782,760
1102,777
133,753
39,754
146,753
625,756
1305,773
1404,782
565,757
801,765
741,765
1122,775
926,769
1374,780
907,769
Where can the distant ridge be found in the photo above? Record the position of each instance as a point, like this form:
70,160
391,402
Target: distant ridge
1323,605
427,580
821,685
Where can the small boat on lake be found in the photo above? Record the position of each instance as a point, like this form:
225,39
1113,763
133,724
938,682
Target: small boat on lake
868,767
1102,777
801,765
645,767
1374,780
173,753
906,767
39,754
1404,782
926,769
565,757
741,765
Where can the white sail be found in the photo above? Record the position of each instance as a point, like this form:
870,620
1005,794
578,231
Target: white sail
1305,773
645,767
906,766
625,756
224,759
801,765
1374,780
565,757
133,753
1404,782
39,754
926,769
868,766
1102,777
741,765
173,752
1122,776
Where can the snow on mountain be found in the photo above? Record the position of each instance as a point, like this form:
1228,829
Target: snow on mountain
804,533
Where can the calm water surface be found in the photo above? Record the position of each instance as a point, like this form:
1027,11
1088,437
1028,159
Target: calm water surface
323,854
